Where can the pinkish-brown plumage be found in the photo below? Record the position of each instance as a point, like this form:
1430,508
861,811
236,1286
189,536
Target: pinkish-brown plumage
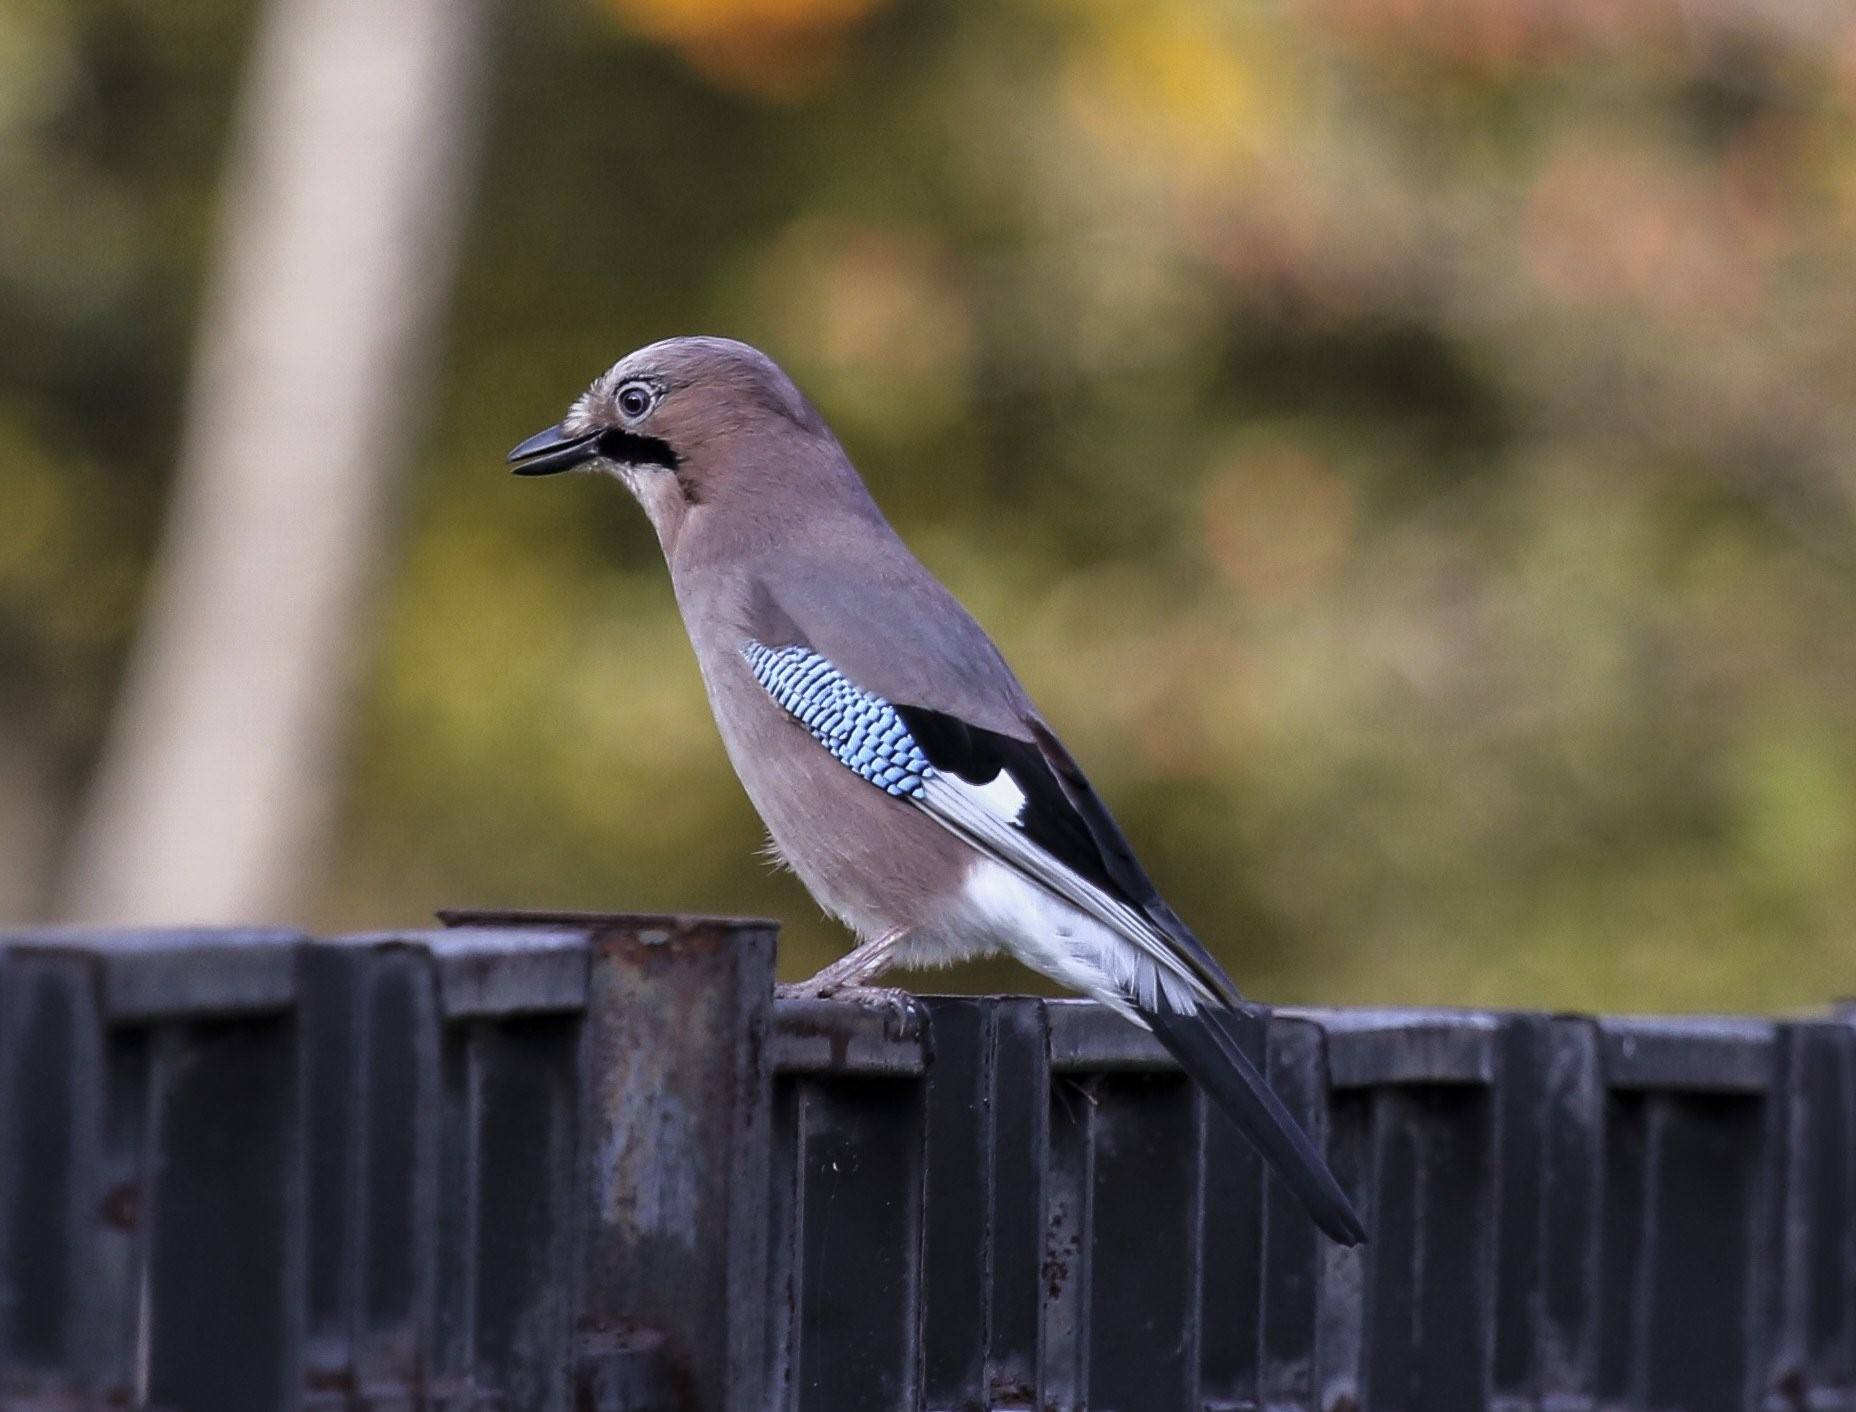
774,543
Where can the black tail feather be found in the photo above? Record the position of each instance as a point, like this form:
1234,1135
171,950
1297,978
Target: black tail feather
1207,1049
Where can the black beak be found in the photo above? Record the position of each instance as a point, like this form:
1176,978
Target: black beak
553,450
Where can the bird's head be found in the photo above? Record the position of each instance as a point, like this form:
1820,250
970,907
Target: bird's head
685,422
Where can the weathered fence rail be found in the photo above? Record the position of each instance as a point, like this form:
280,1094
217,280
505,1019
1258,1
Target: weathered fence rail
588,1163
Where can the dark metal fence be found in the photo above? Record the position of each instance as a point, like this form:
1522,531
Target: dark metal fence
589,1163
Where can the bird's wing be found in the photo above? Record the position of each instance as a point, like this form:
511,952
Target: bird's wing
889,625
896,663
904,689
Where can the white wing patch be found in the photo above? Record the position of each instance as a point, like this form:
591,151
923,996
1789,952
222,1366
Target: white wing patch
1000,796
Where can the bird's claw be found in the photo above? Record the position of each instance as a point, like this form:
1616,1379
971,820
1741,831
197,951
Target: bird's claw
877,997
802,990
897,1006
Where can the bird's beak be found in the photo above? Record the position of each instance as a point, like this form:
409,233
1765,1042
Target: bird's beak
555,449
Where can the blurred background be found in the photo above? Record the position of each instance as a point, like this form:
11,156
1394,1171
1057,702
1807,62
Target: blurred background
1408,447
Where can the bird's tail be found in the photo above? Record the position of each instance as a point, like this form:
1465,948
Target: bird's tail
1206,1047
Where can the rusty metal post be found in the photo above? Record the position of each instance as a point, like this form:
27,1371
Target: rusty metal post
677,1086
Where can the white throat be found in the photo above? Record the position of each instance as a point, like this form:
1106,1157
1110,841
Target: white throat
659,495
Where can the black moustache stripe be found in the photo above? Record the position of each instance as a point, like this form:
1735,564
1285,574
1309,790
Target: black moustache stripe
631,449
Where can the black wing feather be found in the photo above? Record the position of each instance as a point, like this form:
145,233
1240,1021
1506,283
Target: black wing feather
1206,1047
977,756
1118,857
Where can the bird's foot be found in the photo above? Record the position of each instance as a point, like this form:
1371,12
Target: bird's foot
901,1015
897,1006
820,988
875,997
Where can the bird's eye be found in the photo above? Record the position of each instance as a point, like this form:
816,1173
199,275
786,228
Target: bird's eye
634,400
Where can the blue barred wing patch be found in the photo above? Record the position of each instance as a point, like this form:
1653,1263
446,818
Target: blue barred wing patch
863,731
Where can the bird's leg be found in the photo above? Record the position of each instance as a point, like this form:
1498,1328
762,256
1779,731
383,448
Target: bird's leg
845,979
850,971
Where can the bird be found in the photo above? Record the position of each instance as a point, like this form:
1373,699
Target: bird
900,768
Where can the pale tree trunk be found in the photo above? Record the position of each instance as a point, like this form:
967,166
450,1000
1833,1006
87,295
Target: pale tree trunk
346,188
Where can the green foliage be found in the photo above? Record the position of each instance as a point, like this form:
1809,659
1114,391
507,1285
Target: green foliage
1405,449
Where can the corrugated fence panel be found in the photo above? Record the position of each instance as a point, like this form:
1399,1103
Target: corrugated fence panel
50,1139
1292,1258
1567,1214
506,1156
571,1161
860,1208
1020,1137
373,1109
222,1255
1231,1255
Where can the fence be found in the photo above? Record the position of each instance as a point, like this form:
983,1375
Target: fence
588,1162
